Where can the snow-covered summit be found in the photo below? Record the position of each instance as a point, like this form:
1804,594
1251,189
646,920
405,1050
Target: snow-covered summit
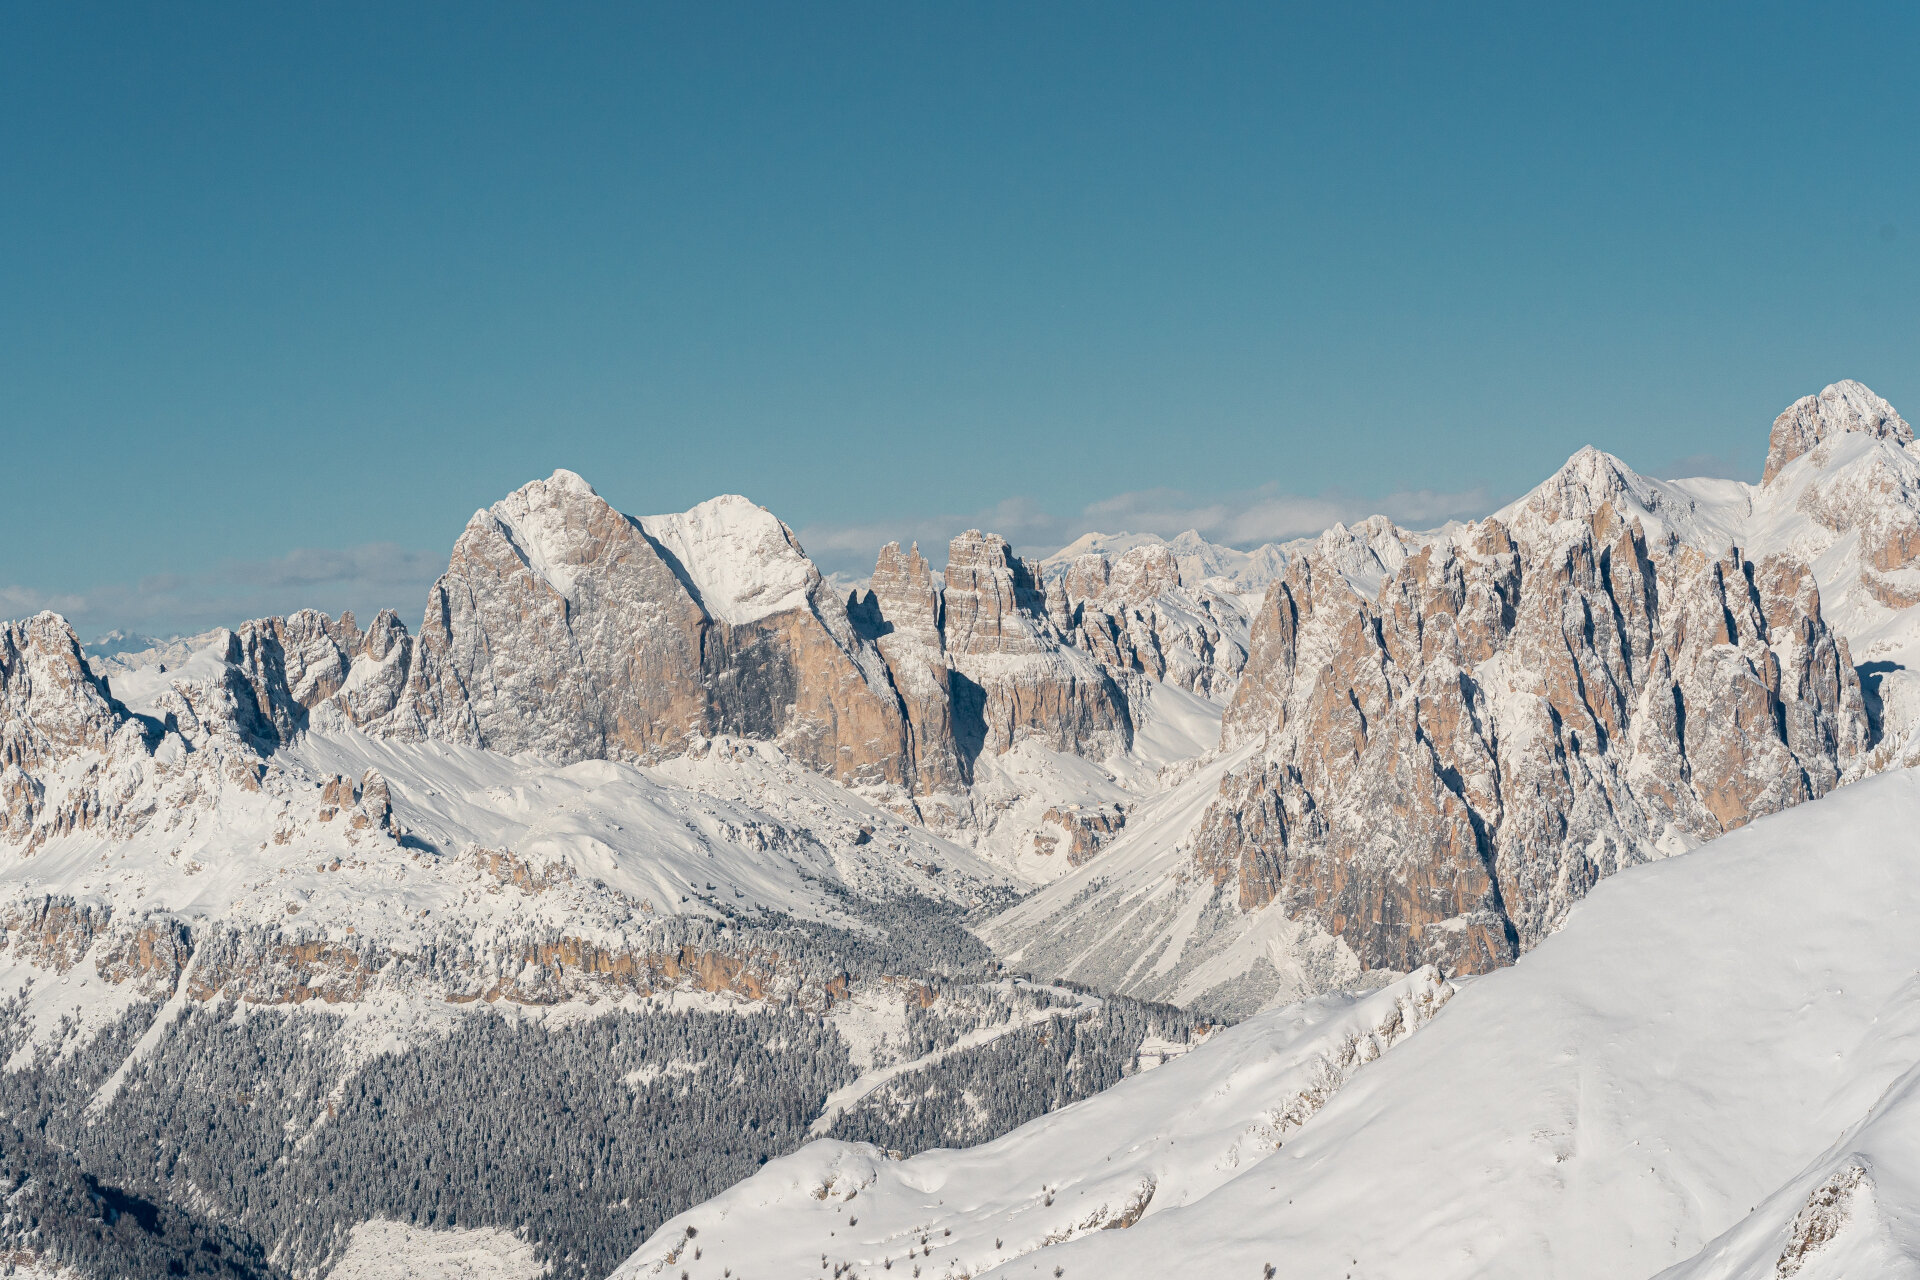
1592,479
547,522
1844,406
1199,560
742,561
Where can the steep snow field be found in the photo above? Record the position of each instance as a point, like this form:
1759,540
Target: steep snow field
740,560
1687,1075
1177,732
1136,920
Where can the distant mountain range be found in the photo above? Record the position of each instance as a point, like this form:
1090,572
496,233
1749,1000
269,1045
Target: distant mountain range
657,790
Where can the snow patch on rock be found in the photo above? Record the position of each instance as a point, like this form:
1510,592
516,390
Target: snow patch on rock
742,562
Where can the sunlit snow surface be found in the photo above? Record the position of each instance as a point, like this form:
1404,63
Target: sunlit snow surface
600,851
396,1251
1665,1081
742,563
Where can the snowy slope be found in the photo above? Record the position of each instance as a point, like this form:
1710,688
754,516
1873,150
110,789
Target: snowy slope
1854,1211
760,831
486,855
742,563
396,1251
1702,1047
1012,793
1138,920
1167,1137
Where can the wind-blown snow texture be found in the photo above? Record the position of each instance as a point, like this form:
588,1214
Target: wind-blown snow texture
1669,1080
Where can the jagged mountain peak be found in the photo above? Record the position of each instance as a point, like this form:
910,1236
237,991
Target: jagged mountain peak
1844,406
1592,480
1586,479
1364,554
555,526
1111,544
568,481
51,704
1198,558
739,561
973,546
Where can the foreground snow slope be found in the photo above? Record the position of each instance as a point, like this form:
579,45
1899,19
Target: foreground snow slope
1166,1137
1707,1046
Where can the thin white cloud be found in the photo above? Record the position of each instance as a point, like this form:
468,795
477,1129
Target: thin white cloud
377,575
1020,521
364,579
1244,519
374,563
1721,466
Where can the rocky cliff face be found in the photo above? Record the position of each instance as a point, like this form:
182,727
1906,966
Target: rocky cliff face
53,712
1440,741
51,704
1436,742
905,612
201,842
1446,768
1017,676
566,628
1136,613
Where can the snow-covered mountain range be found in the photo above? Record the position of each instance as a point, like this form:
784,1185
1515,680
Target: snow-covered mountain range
627,767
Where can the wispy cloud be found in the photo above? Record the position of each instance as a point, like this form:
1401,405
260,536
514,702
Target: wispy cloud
1267,514
364,578
1719,465
377,575
371,564
1246,518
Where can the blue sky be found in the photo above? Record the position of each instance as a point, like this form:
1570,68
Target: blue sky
287,292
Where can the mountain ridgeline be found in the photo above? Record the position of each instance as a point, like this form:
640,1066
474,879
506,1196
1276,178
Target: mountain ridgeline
651,800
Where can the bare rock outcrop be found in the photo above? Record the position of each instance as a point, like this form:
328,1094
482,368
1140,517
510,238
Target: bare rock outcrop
904,610
980,663
52,706
566,628
61,733
1135,613
1017,676
1443,770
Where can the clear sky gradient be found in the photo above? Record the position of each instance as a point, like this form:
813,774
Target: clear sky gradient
287,292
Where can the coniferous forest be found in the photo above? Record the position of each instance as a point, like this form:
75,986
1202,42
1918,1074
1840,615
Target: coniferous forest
227,1139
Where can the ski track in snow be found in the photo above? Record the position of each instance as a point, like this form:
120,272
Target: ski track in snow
849,1095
